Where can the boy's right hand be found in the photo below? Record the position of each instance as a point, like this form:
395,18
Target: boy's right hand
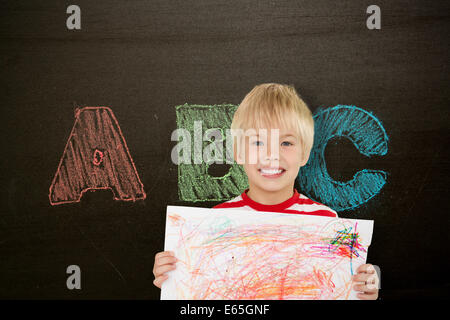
164,262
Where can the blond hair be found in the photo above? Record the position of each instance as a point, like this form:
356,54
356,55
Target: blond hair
279,105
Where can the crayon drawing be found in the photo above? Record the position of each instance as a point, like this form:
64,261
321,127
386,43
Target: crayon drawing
237,254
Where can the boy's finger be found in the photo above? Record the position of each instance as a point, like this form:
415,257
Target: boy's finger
165,260
361,277
359,287
365,296
368,289
159,280
163,269
164,254
365,268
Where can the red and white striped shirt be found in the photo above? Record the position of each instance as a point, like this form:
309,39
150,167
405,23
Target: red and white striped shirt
297,204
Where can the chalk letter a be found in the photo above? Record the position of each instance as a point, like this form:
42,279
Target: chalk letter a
96,157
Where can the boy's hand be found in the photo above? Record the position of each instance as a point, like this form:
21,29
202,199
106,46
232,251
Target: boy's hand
367,281
164,262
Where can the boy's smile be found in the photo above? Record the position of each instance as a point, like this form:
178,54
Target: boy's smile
271,173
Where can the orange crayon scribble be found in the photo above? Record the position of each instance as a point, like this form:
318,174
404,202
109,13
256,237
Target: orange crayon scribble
175,219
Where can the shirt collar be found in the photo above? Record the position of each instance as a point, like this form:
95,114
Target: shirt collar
271,208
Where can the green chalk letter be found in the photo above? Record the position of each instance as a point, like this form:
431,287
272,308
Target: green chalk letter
194,182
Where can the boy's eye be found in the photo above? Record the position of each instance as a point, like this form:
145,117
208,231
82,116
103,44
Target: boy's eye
257,143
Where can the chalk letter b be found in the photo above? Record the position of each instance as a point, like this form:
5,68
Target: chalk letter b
74,20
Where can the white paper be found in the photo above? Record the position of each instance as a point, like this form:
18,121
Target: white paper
240,254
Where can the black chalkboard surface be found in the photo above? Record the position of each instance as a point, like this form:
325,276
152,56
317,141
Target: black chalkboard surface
140,66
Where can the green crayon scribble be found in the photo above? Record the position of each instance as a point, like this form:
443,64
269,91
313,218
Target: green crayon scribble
194,182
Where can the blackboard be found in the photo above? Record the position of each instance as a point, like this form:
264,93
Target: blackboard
143,59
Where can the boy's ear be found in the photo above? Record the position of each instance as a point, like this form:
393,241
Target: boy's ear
305,159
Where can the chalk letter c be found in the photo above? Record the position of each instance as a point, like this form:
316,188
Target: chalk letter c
367,134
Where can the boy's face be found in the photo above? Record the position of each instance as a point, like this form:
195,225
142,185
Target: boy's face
273,158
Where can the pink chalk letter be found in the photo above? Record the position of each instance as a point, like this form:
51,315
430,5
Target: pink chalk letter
96,157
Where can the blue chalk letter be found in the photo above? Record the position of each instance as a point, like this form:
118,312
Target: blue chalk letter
367,134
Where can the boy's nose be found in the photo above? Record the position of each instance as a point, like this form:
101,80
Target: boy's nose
274,150
272,154
271,160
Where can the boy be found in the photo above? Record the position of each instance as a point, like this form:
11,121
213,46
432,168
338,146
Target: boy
279,134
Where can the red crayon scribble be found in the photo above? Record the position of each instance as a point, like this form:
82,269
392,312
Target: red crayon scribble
96,157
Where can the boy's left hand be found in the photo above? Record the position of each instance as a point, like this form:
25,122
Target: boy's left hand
366,281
